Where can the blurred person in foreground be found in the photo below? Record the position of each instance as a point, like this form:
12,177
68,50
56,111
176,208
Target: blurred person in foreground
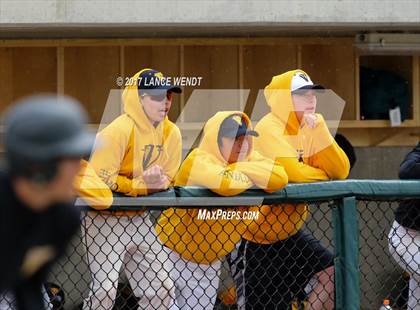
44,142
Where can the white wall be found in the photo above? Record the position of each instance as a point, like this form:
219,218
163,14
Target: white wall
297,12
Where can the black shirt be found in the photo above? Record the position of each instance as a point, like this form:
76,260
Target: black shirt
23,233
408,212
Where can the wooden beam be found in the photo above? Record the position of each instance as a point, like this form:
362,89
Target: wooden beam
178,41
357,86
122,70
60,70
381,137
375,124
182,73
416,90
299,56
242,100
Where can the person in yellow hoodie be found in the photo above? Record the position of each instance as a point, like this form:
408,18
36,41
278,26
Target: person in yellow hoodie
278,269
226,164
140,154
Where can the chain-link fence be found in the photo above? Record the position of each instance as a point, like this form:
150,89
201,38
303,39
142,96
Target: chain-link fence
181,257
118,262
381,276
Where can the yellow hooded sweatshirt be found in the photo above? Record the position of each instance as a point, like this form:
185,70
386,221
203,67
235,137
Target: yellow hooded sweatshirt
282,138
91,188
206,240
131,145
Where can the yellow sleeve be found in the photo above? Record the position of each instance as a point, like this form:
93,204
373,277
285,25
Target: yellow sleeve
333,161
130,187
263,172
91,188
329,157
275,147
202,170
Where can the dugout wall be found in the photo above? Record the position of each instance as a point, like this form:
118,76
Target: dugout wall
88,69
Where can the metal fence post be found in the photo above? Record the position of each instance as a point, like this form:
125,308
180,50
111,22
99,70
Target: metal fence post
346,239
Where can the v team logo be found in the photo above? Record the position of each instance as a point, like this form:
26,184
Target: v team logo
305,77
151,154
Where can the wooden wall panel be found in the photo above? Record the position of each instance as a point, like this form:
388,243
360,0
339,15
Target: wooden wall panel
90,74
88,69
219,68
162,58
25,71
261,63
6,78
333,67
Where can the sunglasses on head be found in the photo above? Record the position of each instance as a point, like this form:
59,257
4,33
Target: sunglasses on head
159,97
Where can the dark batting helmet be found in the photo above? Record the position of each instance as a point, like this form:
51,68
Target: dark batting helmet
41,130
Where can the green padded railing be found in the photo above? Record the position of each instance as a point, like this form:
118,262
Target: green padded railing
302,192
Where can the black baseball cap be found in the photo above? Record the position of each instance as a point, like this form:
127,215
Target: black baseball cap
152,82
235,126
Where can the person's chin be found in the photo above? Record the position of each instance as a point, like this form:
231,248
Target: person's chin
158,119
162,116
